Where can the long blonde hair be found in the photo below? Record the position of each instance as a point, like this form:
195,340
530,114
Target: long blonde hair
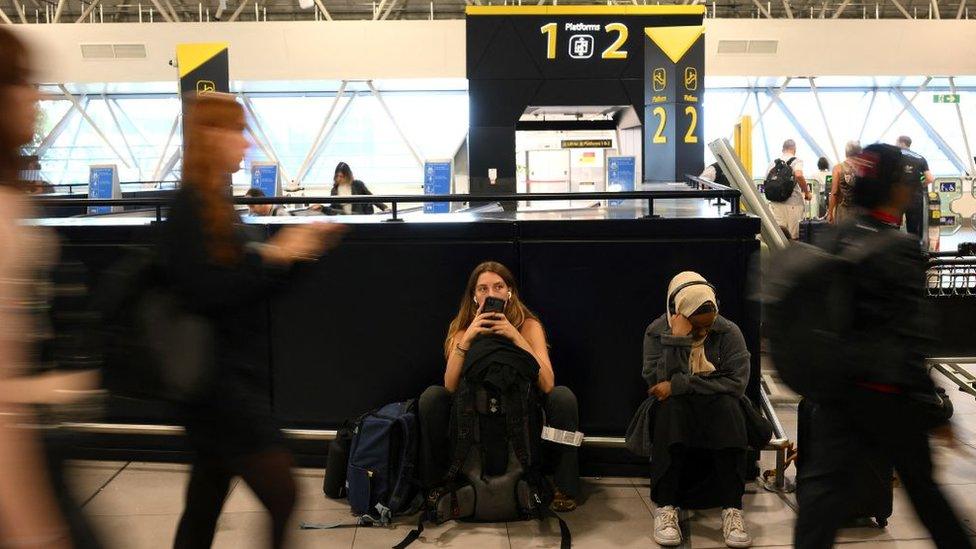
206,112
516,311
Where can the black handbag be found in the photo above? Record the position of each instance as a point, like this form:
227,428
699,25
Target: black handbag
180,344
336,464
759,431
155,347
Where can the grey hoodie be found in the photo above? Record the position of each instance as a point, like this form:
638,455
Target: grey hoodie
666,358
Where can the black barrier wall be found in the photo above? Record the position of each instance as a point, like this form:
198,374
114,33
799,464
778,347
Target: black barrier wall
366,325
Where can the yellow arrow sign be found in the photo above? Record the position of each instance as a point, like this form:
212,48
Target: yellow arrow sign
674,41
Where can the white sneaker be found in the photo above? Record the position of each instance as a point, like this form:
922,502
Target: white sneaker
667,533
734,529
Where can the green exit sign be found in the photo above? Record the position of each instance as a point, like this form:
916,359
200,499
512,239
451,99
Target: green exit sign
945,98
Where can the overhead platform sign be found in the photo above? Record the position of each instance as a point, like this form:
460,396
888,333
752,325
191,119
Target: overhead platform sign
647,57
203,68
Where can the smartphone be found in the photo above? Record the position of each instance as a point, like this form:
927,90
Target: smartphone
493,305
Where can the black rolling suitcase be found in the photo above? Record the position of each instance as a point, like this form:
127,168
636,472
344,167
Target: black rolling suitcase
812,229
873,491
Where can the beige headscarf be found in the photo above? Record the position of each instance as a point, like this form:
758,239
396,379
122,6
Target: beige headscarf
686,302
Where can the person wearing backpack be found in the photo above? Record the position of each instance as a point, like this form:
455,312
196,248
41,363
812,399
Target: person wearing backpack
786,189
226,278
697,366
869,397
522,327
841,205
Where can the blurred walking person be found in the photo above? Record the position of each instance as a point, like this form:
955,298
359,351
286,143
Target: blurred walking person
36,509
227,279
880,404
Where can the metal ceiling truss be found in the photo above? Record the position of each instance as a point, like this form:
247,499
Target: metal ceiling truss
13,11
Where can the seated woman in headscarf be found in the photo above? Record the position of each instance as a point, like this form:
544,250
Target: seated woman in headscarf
697,366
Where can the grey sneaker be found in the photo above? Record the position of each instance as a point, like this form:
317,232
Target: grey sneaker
734,529
667,533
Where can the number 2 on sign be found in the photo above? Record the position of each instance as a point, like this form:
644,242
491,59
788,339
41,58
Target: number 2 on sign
662,116
690,136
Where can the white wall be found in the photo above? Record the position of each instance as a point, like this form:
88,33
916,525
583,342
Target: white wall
259,51
814,47
436,49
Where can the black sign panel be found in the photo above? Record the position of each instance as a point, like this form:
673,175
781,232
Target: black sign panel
674,60
580,56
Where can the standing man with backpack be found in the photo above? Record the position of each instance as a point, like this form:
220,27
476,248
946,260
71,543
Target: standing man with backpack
786,189
859,354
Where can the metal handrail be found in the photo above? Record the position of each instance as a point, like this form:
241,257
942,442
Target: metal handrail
718,191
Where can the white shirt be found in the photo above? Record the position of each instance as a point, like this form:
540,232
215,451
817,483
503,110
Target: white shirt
345,189
795,199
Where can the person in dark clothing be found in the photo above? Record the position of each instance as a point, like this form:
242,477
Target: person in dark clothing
697,366
713,172
345,185
922,178
264,210
523,328
227,279
875,411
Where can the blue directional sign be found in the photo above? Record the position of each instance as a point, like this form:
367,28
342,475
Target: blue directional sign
621,175
103,182
437,180
264,176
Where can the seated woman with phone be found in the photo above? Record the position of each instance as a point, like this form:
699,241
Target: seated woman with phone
491,305
697,366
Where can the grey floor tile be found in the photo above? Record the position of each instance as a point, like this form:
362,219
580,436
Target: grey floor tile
768,519
602,488
954,466
136,531
612,522
141,492
86,478
251,530
963,499
150,466
896,544
310,497
449,534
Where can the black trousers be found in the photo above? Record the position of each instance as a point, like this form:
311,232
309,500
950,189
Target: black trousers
885,425
562,412
915,215
725,464
268,473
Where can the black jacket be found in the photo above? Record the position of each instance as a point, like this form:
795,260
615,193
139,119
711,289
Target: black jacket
358,188
236,418
891,325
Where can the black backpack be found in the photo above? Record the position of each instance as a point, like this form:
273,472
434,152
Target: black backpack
780,181
808,309
496,425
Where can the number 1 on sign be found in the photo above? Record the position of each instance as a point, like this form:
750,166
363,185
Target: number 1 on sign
550,32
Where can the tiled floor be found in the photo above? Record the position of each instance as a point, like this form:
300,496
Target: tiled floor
137,505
